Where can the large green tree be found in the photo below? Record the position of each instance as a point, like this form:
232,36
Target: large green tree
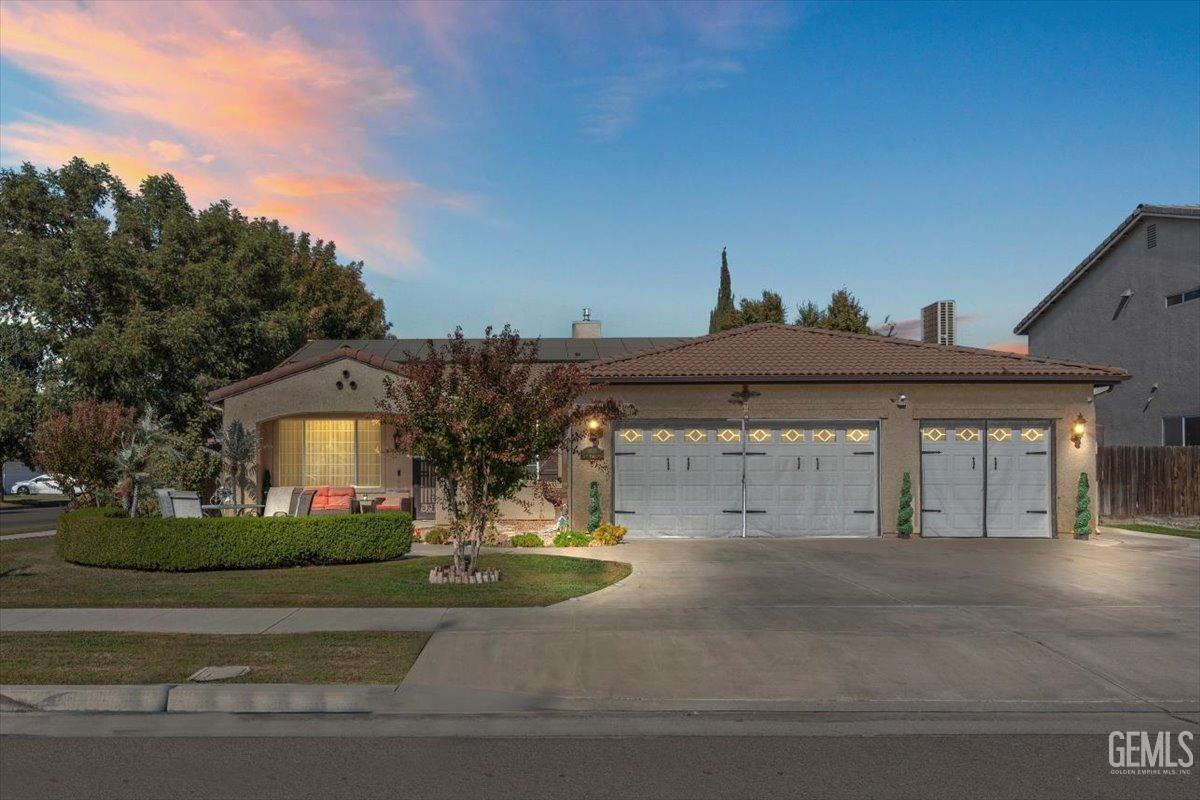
844,313
138,298
768,309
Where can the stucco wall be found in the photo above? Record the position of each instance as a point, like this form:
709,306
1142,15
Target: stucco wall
315,394
899,446
1154,343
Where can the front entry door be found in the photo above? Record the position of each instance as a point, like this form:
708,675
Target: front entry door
424,491
952,480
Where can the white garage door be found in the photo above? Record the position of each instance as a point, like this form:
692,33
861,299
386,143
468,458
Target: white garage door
802,479
985,479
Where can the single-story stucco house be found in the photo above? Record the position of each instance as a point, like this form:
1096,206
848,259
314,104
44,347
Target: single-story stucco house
770,430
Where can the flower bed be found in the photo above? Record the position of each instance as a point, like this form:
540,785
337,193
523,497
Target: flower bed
108,538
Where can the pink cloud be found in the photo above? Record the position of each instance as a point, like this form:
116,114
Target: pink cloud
1020,348
233,100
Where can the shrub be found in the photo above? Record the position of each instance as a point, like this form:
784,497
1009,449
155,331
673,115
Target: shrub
108,538
609,534
570,538
904,517
526,540
593,506
438,534
1083,509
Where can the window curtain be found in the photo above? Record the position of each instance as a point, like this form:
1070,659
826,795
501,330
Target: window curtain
328,452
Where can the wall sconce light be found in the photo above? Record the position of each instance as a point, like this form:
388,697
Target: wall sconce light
594,428
901,401
1078,428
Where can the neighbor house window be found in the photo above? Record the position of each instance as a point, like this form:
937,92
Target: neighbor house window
328,452
1181,430
1183,297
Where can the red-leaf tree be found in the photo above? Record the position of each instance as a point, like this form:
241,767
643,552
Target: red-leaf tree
477,412
78,446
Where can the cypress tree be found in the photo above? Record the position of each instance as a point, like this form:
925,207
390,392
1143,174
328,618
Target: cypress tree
1083,509
723,313
904,519
593,506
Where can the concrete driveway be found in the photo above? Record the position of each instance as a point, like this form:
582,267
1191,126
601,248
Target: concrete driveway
847,624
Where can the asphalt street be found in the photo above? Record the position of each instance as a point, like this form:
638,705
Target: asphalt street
689,768
13,519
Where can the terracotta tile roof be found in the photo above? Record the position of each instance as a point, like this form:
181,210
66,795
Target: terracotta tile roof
1143,210
784,353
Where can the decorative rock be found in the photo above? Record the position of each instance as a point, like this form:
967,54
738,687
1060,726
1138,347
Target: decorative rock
206,674
441,575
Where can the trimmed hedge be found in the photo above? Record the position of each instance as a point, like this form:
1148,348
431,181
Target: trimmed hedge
108,538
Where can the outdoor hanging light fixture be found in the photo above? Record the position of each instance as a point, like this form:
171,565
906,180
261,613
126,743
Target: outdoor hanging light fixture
595,428
1078,428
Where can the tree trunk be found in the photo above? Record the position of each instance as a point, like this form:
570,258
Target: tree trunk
133,499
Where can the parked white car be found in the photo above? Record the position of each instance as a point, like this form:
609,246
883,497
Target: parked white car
42,484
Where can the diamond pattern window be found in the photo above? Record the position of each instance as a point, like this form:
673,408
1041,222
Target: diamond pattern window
858,435
999,434
933,434
792,435
824,435
729,435
696,435
1033,434
760,435
664,435
967,434
632,435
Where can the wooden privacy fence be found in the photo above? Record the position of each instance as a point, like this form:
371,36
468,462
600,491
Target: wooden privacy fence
1134,481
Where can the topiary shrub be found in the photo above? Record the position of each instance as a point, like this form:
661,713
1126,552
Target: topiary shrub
904,518
109,538
570,538
526,540
1083,509
609,534
593,506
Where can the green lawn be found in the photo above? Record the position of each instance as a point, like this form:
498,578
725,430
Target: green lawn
30,658
33,576
1191,533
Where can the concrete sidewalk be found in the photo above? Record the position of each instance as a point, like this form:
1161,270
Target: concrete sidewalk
766,623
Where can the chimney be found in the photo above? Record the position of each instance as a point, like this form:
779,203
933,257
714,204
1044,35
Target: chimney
937,323
586,328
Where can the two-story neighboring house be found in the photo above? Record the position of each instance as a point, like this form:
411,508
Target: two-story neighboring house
1134,302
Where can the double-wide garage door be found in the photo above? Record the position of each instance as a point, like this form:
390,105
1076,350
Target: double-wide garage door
801,479
985,479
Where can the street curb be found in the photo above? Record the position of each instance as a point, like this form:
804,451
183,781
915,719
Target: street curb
418,701
143,698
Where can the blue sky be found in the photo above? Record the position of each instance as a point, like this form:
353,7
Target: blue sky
512,163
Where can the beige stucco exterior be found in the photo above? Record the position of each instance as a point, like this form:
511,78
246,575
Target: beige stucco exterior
314,393
899,445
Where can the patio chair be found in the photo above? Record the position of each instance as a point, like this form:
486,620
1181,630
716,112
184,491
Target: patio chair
304,501
165,509
281,501
185,505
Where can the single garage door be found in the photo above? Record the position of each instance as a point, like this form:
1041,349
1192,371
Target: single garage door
802,479
985,479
